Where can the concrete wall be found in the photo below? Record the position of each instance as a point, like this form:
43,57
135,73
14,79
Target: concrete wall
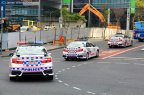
10,40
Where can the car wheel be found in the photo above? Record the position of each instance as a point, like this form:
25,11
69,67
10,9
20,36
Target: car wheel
87,57
50,77
131,43
12,78
124,45
140,40
67,59
97,55
110,46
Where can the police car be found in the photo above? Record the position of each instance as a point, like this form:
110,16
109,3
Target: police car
31,58
80,49
120,40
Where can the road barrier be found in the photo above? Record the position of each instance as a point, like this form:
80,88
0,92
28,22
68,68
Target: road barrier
10,39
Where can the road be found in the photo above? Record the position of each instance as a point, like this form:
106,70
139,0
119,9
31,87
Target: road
118,71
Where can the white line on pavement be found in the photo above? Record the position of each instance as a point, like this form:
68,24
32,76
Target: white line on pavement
59,71
90,92
122,63
73,66
66,84
59,80
84,63
76,88
68,68
63,69
138,64
56,78
55,75
79,65
103,62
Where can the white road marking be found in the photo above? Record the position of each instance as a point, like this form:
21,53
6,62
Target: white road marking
73,66
60,81
126,58
56,78
55,75
68,68
76,88
66,84
138,64
90,92
122,63
84,63
79,65
63,69
59,71
103,62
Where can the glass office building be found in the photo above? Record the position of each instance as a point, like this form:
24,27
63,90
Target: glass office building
77,5
28,9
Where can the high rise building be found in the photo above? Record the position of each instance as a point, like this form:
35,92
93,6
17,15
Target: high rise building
77,5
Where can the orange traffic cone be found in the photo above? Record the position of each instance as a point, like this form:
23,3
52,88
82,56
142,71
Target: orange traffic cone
53,43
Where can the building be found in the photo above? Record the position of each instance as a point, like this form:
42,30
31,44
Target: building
29,9
77,5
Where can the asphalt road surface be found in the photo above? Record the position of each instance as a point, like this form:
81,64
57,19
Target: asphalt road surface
118,71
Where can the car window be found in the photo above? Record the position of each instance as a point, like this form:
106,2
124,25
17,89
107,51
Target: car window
75,45
91,45
88,45
31,51
117,36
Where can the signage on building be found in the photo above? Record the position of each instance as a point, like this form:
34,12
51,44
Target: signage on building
2,6
18,2
133,4
66,1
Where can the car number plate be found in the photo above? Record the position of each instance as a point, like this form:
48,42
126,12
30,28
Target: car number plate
32,63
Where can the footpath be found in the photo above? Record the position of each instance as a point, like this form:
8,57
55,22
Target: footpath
50,47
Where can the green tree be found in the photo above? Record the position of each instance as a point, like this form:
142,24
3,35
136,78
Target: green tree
105,12
67,17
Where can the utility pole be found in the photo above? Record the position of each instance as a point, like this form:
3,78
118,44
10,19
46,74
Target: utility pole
39,18
1,26
61,17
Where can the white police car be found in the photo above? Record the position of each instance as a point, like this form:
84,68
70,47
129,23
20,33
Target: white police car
80,49
31,60
120,40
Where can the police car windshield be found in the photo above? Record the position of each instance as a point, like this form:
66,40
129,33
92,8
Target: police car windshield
75,44
116,36
31,51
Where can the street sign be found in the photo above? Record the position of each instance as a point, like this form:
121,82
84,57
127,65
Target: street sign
60,19
133,4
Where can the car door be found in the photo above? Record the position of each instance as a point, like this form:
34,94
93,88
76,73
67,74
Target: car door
89,48
93,49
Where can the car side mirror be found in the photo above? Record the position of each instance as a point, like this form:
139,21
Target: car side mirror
18,55
49,54
11,54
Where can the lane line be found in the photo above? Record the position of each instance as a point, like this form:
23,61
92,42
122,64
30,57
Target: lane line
60,81
68,68
56,78
73,66
91,92
59,71
103,62
122,63
123,52
76,88
79,65
66,84
55,75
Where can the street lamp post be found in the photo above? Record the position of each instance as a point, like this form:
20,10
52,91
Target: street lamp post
61,17
1,27
50,15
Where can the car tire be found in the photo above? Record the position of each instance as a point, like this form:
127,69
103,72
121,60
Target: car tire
131,43
50,77
110,46
97,55
12,78
140,40
125,45
87,57
67,59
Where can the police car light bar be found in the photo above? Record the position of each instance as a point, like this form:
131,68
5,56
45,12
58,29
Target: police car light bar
83,39
76,39
38,42
35,42
22,42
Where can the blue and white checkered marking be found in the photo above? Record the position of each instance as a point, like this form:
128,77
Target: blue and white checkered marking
27,65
